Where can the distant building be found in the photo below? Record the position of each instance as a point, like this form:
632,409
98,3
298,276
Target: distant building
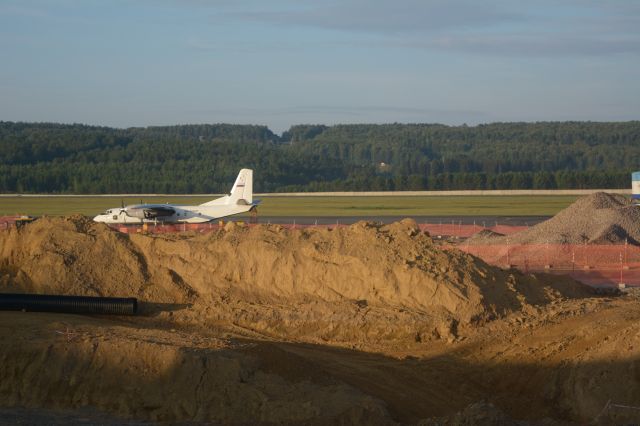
635,187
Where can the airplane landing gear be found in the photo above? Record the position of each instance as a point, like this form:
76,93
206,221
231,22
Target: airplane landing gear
254,214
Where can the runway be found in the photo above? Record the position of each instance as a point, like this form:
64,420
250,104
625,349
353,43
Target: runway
485,221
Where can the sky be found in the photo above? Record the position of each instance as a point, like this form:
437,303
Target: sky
126,63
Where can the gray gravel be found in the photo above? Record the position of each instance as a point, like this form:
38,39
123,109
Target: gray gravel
600,218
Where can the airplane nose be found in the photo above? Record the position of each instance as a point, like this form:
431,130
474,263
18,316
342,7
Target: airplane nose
98,218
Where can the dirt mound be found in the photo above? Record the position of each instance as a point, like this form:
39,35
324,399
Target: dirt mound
576,360
231,315
366,281
73,256
163,376
600,218
484,236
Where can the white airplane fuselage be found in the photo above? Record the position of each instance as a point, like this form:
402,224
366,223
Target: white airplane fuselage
240,200
182,214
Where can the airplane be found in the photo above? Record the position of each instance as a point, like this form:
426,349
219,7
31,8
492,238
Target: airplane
240,200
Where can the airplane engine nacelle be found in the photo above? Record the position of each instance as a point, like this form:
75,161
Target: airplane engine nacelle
151,213
158,213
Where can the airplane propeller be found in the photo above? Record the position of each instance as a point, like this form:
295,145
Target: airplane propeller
123,209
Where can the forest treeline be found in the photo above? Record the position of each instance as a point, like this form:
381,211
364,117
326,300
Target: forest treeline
80,159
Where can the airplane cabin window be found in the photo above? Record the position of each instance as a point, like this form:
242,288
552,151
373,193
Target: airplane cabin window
115,217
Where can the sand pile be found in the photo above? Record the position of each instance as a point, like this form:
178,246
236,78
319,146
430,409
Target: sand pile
600,218
161,375
485,236
566,363
364,282
232,313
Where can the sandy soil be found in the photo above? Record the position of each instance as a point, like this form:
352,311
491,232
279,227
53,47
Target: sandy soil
369,324
600,218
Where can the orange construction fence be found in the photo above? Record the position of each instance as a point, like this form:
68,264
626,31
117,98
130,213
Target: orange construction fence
202,227
6,221
604,265
435,229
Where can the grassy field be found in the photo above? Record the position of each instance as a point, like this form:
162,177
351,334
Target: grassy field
489,205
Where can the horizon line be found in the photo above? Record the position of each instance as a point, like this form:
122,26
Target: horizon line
463,125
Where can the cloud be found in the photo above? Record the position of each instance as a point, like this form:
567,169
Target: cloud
23,11
382,16
43,12
369,109
527,45
499,27
243,46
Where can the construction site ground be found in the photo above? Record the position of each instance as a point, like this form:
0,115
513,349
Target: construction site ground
564,363
365,324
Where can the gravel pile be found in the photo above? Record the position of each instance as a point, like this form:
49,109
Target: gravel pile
486,236
600,218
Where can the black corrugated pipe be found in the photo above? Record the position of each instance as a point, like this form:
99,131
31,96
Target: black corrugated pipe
68,304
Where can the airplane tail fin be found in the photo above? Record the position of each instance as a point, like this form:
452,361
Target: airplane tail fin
242,189
241,192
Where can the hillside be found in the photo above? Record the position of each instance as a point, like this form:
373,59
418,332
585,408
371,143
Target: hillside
49,157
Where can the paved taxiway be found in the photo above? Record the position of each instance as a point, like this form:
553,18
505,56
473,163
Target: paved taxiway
465,220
